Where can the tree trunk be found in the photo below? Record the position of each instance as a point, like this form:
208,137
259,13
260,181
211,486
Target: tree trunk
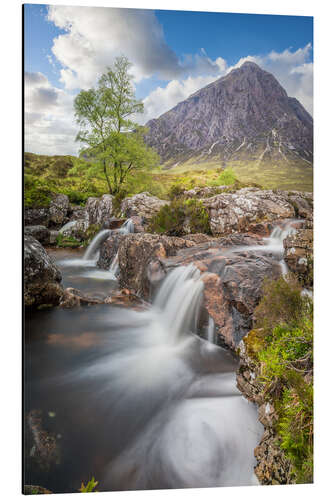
107,177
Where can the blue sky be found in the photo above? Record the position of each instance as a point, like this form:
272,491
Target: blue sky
173,53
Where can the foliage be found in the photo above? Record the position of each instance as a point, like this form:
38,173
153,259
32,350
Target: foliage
104,115
89,487
281,302
36,192
67,241
226,178
285,356
172,219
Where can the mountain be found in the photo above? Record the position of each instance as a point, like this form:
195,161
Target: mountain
244,120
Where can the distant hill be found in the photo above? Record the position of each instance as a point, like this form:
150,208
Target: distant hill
244,120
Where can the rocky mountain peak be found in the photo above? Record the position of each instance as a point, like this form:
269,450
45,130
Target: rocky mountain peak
247,113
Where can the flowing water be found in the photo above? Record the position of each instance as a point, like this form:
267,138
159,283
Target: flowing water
138,399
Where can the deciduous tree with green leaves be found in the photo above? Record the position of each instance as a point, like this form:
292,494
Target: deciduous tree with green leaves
105,115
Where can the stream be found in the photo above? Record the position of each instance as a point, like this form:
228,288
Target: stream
137,399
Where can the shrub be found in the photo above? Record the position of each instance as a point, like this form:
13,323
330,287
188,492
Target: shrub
281,302
172,219
36,192
176,191
226,178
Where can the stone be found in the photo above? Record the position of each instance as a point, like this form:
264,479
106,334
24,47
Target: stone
143,204
36,216
236,212
59,206
41,276
99,210
40,233
298,254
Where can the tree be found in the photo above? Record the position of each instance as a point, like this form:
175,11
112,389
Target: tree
105,116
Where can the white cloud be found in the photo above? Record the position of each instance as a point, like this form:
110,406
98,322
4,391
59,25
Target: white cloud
49,118
95,36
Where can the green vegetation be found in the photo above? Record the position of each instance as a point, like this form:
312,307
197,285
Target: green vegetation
172,219
67,241
282,345
113,138
89,487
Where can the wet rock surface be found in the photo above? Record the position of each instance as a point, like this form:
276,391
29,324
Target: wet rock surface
41,276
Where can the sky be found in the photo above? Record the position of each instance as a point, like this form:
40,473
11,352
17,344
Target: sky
174,53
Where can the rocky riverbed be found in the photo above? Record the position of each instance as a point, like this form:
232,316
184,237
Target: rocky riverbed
255,235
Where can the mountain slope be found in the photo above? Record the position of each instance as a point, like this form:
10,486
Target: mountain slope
242,119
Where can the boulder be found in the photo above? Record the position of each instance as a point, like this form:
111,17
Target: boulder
234,212
99,210
59,207
40,233
302,203
135,252
298,254
204,192
232,282
41,276
142,204
109,249
75,228
36,216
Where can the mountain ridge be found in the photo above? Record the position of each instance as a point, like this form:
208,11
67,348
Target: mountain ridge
244,116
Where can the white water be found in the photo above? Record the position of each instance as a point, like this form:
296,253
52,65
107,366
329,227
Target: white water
67,226
274,244
211,330
126,228
174,396
92,250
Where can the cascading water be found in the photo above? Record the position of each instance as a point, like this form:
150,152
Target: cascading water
274,244
94,245
174,396
126,228
67,226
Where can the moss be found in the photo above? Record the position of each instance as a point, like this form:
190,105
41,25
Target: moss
254,342
67,241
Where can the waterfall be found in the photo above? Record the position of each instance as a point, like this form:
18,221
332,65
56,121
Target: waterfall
94,245
211,330
67,226
127,227
179,300
91,252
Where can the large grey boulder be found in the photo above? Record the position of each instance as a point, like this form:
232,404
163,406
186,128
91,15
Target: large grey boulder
40,233
36,216
59,207
42,278
99,210
234,212
143,204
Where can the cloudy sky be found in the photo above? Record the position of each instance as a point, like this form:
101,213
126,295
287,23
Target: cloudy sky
173,54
